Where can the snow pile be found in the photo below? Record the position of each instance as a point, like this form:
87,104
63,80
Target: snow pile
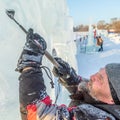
115,37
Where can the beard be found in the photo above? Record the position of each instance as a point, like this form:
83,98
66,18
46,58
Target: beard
86,91
83,86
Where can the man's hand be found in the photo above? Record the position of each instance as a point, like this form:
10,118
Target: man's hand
35,42
33,51
65,72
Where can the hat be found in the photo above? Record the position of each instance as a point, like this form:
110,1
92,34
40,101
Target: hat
113,73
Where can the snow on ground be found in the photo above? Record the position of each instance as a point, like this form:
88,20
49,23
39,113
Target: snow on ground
91,63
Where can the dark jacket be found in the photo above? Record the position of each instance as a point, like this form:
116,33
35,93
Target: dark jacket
39,106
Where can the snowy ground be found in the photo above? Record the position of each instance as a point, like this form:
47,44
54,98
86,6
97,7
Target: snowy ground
91,63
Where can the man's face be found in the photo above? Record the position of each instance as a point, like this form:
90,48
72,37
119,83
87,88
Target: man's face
98,86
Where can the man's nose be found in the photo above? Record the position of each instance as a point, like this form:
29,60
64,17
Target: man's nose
93,77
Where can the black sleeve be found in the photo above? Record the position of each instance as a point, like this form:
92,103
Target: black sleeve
31,86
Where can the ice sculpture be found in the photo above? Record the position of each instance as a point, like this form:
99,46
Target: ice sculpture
51,19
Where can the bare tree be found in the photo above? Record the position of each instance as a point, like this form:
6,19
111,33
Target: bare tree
114,24
101,24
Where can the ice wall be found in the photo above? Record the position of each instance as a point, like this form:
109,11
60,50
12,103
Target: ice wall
51,19
90,36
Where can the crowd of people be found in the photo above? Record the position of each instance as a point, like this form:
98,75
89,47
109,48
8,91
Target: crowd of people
83,41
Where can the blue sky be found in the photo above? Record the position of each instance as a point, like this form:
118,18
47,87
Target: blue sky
91,11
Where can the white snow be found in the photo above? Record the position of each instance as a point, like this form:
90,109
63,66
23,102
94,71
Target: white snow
91,63
51,19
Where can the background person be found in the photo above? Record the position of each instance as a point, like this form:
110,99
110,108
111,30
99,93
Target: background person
100,43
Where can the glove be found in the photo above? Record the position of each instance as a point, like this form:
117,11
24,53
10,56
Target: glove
35,43
65,72
33,51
